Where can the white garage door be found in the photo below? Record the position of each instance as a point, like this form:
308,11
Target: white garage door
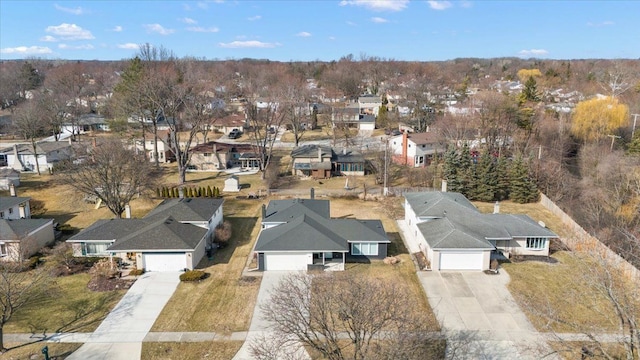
286,261
164,262
461,260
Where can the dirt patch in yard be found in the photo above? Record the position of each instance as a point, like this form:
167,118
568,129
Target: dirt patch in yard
101,283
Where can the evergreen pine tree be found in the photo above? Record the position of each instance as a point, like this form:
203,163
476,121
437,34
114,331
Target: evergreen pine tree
503,179
634,146
466,171
209,193
523,189
530,91
450,170
487,177
157,192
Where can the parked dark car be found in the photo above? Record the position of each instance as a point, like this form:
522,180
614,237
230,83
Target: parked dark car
234,134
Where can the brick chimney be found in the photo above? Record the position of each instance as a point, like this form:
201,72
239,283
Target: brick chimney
264,211
319,153
313,193
405,145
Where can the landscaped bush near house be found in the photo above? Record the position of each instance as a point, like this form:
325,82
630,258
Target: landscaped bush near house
193,275
104,268
136,272
223,234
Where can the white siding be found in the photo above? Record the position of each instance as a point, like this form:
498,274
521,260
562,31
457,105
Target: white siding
461,260
164,261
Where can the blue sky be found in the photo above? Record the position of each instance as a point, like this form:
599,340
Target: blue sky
321,30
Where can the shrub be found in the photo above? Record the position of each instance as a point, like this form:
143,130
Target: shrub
193,275
223,233
103,268
136,272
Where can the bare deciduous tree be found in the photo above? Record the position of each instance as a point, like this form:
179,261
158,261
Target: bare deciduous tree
19,289
28,124
112,173
343,317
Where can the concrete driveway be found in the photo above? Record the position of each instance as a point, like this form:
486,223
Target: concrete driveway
259,325
120,335
479,309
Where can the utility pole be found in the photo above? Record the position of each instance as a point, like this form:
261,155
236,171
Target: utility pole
613,138
384,187
635,119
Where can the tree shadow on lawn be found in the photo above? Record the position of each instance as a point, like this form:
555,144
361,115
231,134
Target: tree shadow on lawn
397,246
242,228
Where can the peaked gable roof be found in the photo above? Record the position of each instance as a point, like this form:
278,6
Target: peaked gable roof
452,221
186,209
311,151
17,229
304,233
287,210
163,234
11,201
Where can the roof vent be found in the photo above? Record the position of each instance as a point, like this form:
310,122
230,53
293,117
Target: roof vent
541,223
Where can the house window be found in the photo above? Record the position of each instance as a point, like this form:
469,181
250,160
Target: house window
3,249
95,249
10,211
1,214
364,249
207,154
536,243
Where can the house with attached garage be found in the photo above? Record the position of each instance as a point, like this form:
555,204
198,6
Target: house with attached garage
299,234
321,162
454,235
22,157
172,237
21,238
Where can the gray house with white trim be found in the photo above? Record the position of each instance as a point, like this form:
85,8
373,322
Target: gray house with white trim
172,237
299,234
454,235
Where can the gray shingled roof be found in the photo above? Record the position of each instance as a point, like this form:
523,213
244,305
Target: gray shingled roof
455,223
304,233
311,151
355,230
111,229
350,156
11,201
287,210
19,228
162,234
186,209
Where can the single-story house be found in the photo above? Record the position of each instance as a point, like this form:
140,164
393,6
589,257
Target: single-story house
228,123
15,207
172,237
351,117
299,234
215,155
415,150
321,162
86,123
22,158
21,238
454,235
9,177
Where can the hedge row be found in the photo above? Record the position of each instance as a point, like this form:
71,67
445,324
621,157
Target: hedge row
188,192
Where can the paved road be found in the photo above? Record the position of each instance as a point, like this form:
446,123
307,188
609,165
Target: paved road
120,335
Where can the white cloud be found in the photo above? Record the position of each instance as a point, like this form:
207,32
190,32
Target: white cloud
128,46
158,29
75,47
248,44
48,38
378,5
332,37
466,4
74,11
201,29
379,20
254,18
117,28
439,5
303,34
187,20
27,50
351,23
600,24
202,5
533,52
69,32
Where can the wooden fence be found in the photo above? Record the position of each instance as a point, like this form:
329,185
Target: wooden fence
583,241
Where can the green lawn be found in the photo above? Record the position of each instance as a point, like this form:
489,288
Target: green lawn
72,308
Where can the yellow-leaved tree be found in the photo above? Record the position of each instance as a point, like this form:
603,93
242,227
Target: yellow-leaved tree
525,74
596,118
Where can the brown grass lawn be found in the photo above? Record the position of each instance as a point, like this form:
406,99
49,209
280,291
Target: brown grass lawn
223,302
62,310
322,133
34,350
211,350
571,350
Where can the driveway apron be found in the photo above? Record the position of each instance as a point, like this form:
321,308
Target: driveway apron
121,333
259,325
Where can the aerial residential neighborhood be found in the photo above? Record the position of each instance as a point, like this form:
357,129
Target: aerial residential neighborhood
227,180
